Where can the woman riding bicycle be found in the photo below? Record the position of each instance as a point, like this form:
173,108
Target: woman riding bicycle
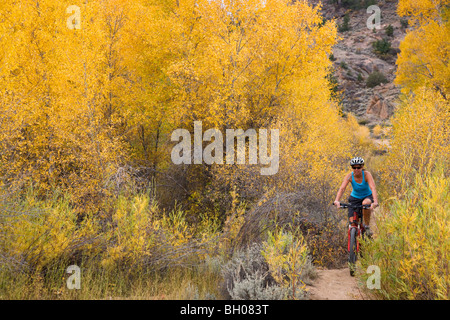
364,190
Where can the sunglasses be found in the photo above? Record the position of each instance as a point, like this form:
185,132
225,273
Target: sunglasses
356,168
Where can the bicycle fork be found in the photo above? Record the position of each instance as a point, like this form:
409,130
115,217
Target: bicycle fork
358,233
356,223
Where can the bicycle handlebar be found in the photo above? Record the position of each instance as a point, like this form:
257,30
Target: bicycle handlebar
347,205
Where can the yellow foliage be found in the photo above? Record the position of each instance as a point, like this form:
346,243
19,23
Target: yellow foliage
412,247
420,140
232,226
422,11
35,233
361,134
424,59
241,64
74,102
141,235
286,256
61,96
111,92
135,225
377,130
412,244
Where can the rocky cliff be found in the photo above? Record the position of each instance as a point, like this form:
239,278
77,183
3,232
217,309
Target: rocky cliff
364,74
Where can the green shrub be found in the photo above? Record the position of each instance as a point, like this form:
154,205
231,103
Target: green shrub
381,47
360,77
345,24
389,31
375,78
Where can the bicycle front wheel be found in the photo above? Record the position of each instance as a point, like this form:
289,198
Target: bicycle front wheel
353,251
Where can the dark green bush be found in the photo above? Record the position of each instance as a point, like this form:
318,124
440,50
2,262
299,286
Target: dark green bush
375,78
389,31
381,47
343,65
344,26
360,77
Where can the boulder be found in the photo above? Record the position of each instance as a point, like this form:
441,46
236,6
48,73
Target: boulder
379,107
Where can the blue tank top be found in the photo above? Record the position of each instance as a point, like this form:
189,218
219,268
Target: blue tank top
360,190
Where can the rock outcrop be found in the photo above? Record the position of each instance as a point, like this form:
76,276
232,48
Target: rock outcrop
379,107
355,60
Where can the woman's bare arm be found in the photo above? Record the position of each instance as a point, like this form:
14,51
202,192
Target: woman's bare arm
342,190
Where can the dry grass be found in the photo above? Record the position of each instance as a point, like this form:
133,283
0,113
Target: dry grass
200,282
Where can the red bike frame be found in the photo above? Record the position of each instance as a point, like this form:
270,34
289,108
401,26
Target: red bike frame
356,223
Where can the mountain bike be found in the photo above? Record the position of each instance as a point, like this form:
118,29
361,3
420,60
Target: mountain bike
355,231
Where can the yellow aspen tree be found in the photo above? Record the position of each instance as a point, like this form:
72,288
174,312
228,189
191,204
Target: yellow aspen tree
64,94
253,64
420,12
420,126
151,114
425,51
421,139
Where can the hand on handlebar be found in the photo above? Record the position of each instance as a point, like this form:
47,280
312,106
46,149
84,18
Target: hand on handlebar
337,204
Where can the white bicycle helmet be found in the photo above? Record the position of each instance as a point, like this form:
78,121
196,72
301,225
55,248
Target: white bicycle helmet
357,160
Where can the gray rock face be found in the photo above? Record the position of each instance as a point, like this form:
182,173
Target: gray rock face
355,60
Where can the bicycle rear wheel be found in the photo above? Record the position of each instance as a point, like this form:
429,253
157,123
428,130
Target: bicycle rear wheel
353,251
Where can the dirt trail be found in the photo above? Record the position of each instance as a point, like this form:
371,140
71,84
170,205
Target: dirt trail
335,284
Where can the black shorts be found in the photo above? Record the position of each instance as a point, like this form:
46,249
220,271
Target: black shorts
356,201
